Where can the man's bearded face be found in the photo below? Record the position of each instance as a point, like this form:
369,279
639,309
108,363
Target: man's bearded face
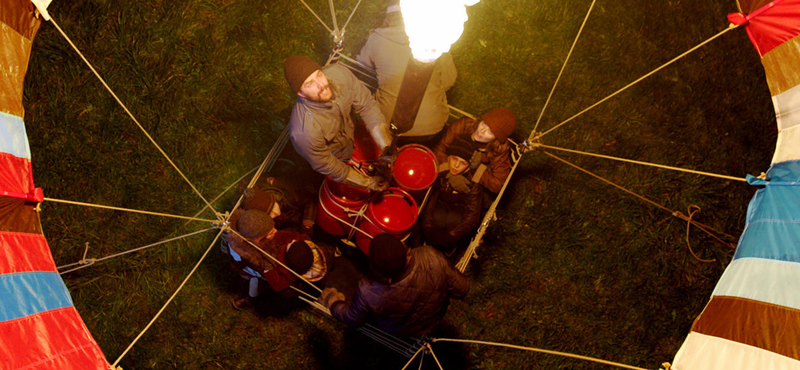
316,88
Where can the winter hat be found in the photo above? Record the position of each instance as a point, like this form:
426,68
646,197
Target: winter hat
297,68
461,149
258,199
254,224
299,257
387,255
501,121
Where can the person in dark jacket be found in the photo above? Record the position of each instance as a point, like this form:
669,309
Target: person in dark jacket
410,295
455,204
489,135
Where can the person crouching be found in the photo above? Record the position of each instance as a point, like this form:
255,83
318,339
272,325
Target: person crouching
293,249
455,204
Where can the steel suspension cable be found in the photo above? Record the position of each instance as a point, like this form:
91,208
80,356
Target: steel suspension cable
344,28
53,21
707,229
487,218
378,335
564,354
269,160
202,258
127,210
563,66
222,193
318,18
86,263
644,163
730,27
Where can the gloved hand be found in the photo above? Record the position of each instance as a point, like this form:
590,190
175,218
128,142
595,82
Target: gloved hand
377,183
388,159
374,183
330,296
460,183
475,161
249,193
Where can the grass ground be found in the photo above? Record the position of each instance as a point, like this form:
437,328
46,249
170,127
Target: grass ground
571,264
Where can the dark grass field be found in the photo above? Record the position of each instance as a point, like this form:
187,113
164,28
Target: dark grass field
572,264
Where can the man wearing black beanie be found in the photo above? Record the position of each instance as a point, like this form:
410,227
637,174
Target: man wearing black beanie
321,127
411,294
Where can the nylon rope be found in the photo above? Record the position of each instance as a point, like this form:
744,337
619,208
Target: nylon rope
358,214
267,163
127,210
677,214
644,163
563,66
318,18
344,28
114,365
129,113
692,210
359,71
336,32
277,147
413,357
222,193
228,228
470,252
730,27
532,349
428,346
89,262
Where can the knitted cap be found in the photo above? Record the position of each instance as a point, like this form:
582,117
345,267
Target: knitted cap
501,121
259,200
299,257
296,69
461,149
254,224
387,255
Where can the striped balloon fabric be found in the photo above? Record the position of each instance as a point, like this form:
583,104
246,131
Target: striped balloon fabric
39,326
753,318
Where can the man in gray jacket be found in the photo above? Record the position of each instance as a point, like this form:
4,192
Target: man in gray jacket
321,126
411,294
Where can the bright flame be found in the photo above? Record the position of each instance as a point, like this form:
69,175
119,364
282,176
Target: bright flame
433,26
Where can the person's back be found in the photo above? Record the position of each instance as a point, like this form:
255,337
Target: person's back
387,52
414,303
